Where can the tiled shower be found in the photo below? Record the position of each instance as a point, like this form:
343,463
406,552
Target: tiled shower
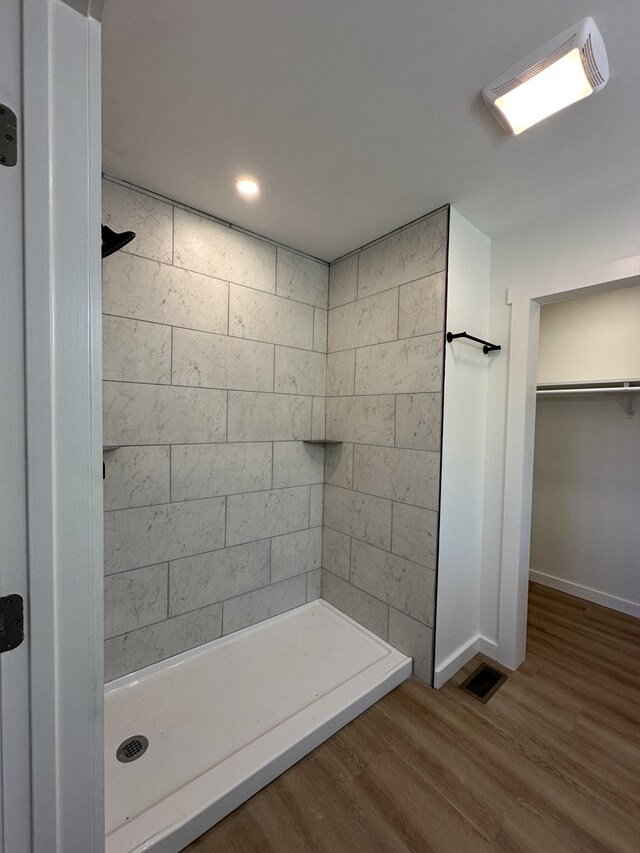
219,373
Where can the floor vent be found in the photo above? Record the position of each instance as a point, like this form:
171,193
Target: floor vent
483,682
132,748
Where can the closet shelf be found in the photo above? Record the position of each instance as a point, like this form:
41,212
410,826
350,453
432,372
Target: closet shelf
570,389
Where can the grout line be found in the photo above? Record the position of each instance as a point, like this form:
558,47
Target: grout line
173,235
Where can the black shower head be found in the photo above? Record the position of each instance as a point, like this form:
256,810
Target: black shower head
111,241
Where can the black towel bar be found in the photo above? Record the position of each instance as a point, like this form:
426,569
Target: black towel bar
486,348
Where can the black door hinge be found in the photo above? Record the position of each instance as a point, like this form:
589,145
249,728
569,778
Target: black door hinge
8,136
11,622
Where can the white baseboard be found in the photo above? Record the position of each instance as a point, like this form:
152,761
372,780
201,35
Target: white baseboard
604,598
463,655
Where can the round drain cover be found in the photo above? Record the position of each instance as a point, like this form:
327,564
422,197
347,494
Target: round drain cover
132,748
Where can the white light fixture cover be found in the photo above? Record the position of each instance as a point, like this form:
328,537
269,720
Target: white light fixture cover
568,68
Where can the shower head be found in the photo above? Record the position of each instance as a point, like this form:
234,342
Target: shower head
111,241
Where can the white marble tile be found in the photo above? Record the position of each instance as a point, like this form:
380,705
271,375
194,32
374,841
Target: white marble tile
338,465
262,514
145,290
363,516
302,278
213,249
365,322
363,420
124,209
415,534
296,553
414,639
162,414
411,476
134,599
414,252
343,281
212,470
264,603
316,505
268,417
319,419
422,306
136,476
297,464
336,552
148,535
407,366
320,322
207,578
418,421
365,609
341,373
300,371
263,317
137,649
134,351
399,582
218,361
314,585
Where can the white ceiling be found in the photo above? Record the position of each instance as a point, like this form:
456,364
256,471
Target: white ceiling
357,116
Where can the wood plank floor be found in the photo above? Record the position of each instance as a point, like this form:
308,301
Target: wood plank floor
550,765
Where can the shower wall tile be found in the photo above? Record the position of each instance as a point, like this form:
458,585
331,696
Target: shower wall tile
124,209
314,585
162,640
296,553
135,351
217,361
361,420
262,514
134,599
299,371
336,552
422,306
320,322
148,535
407,586
414,639
338,465
302,278
365,322
419,421
212,470
209,578
268,417
343,281
363,516
297,464
145,290
162,414
341,373
411,476
136,476
316,505
415,534
319,419
413,252
273,319
400,367
264,603
359,605
218,250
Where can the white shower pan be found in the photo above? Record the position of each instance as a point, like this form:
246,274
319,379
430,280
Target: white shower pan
225,719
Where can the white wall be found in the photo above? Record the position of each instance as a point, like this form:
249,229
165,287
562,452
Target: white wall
593,338
587,247
465,387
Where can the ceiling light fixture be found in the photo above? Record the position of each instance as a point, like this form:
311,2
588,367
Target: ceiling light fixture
247,187
568,68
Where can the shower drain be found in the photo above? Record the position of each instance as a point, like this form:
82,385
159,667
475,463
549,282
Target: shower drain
132,748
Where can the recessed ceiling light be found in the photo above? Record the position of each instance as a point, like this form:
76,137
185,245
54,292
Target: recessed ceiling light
570,67
247,187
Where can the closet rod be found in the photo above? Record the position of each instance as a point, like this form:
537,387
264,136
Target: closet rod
487,347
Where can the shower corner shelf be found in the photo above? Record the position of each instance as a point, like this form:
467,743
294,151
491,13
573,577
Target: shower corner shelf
325,442
109,448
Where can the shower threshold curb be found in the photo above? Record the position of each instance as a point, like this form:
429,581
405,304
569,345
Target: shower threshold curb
173,821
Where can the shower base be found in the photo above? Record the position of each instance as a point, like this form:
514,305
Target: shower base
223,720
